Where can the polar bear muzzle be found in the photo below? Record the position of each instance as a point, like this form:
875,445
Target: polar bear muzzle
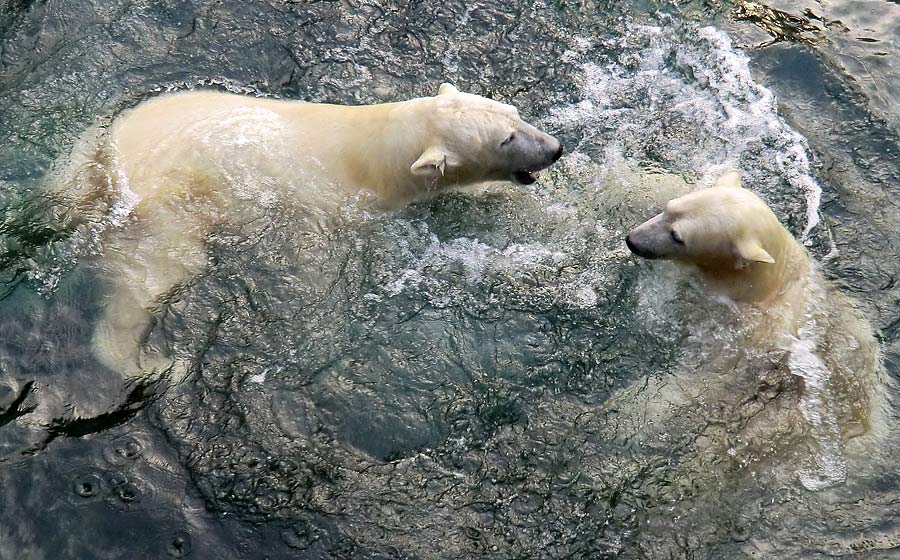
476,139
530,150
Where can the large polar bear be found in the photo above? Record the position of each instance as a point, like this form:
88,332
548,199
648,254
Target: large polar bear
827,386
194,158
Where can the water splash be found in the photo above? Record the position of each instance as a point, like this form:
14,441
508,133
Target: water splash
827,466
694,106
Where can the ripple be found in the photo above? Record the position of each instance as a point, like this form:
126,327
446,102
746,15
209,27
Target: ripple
127,491
123,450
88,485
179,545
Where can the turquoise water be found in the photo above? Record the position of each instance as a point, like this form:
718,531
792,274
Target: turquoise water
453,379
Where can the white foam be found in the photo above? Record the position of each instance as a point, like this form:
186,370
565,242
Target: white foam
475,258
709,85
828,467
75,176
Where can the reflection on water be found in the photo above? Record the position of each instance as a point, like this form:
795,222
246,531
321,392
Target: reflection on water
858,38
486,374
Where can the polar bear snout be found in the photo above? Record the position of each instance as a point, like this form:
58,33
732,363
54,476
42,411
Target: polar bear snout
559,151
652,239
631,246
553,148
638,249
549,149
531,151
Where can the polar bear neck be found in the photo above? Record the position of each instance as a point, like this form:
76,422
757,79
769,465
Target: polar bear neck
375,145
765,284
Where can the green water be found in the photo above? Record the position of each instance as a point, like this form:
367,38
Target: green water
450,380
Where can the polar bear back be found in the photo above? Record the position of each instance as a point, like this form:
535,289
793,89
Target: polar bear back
199,140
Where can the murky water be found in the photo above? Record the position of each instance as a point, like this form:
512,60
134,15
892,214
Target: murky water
486,374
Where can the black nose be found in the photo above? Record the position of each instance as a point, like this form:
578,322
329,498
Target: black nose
639,251
558,153
630,245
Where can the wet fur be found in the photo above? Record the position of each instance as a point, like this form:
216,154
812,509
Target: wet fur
195,159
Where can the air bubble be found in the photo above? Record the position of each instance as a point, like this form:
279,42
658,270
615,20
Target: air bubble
179,546
123,450
128,493
87,485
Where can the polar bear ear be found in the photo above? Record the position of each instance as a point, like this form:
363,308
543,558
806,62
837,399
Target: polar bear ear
447,88
730,178
751,252
433,160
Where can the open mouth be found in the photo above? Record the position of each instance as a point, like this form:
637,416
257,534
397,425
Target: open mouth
524,177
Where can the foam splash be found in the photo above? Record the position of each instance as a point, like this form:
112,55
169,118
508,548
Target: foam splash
690,100
89,176
760,107
828,467
474,258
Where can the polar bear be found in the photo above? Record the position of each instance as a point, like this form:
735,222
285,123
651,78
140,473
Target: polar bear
192,159
828,384
734,240
401,151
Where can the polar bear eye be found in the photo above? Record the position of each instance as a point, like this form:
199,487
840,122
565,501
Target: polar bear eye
676,237
510,138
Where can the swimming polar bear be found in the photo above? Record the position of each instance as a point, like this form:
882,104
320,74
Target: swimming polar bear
193,159
731,236
827,384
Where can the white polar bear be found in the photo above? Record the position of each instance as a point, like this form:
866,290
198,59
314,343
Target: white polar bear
733,238
829,387
193,159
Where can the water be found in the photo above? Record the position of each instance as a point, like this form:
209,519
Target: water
486,374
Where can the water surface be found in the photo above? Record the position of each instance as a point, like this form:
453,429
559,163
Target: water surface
453,379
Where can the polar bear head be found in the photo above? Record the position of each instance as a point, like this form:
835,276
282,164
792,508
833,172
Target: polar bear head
472,139
725,227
